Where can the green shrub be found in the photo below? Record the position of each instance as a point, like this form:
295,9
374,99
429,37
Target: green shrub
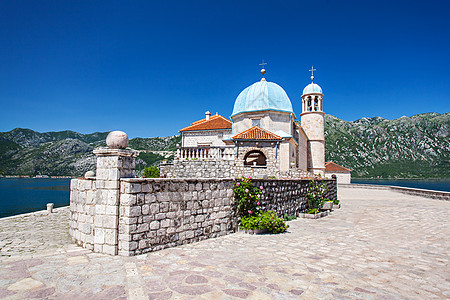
151,172
265,220
289,217
336,202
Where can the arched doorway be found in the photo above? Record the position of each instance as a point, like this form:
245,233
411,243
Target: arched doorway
255,158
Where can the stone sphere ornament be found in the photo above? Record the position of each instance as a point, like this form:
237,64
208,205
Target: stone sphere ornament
117,140
89,174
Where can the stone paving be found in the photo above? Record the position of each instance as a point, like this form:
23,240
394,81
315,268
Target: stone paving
380,245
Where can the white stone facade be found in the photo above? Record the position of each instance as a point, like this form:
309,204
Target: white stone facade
212,138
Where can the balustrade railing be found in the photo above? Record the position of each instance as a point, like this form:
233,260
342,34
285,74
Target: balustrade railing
212,153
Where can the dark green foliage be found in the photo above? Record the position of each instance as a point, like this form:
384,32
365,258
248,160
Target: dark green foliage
289,217
150,158
316,195
151,172
156,144
264,220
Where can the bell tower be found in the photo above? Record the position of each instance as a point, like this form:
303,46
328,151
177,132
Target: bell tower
313,123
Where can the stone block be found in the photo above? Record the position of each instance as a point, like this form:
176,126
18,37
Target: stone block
111,210
98,221
155,225
160,216
133,211
110,236
142,227
154,208
128,199
110,221
165,223
109,249
147,188
135,188
161,232
145,209
98,248
86,228
99,236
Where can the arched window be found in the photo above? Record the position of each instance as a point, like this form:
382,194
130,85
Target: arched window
316,103
255,158
308,106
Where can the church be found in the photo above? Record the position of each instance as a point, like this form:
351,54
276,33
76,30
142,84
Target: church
263,137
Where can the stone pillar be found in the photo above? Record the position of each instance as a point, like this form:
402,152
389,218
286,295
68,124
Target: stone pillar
112,164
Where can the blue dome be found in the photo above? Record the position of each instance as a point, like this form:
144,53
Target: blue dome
261,96
312,88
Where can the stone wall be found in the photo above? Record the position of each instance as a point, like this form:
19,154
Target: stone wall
128,216
82,211
161,213
158,213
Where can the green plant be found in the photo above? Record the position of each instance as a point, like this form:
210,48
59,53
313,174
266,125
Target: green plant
336,201
289,217
316,195
247,197
313,211
264,220
151,172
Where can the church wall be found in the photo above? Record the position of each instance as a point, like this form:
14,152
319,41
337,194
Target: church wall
279,121
194,138
302,152
270,120
317,152
284,156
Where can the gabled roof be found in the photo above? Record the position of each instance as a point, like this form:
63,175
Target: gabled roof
333,167
256,133
215,122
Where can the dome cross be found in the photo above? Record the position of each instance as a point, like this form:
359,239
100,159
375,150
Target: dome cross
263,70
312,72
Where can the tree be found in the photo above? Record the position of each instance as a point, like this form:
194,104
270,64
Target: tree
151,172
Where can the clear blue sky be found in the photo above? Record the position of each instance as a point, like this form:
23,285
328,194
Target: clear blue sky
150,68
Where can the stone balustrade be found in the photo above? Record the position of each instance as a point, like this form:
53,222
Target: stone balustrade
212,153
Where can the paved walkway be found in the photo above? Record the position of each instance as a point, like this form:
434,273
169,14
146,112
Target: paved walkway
380,245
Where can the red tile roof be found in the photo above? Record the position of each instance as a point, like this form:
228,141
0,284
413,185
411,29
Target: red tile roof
256,133
333,167
215,122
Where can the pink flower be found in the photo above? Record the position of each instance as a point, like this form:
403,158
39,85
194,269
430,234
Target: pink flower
257,203
249,177
250,212
246,190
259,196
261,187
250,195
238,184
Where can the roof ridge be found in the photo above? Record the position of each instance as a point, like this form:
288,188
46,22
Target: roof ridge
256,127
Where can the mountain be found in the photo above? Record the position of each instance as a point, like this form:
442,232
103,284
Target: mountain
408,147
28,152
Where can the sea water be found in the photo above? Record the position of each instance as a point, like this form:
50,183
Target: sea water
23,195
426,184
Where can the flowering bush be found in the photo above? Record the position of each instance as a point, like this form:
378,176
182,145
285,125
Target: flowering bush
264,220
316,196
247,197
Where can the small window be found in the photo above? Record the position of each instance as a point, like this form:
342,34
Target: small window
256,122
220,134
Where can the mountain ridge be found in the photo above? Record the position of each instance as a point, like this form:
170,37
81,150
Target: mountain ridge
406,147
